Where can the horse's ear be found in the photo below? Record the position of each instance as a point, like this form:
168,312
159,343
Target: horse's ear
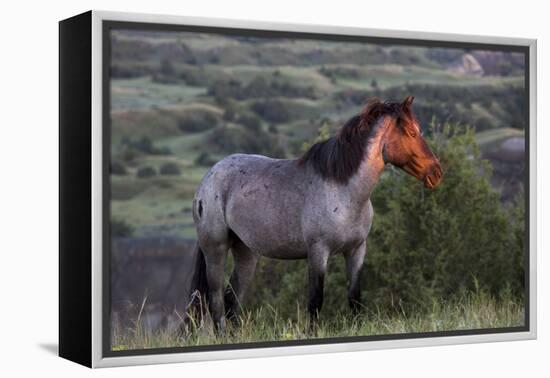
408,102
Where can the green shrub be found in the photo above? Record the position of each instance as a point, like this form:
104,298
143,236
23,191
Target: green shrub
340,71
229,114
120,228
226,140
164,79
259,87
167,67
193,76
117,168
144,145
129,71
170,168
198,120
146,172
428,243
251,122
274,111
205,160
374,84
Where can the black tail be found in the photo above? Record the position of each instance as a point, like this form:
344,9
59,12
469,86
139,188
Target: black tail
199,285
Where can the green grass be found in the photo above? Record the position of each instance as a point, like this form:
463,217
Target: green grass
161,205
298,75
143,93
187,146
476,310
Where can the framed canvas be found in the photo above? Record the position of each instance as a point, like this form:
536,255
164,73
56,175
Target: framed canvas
235,189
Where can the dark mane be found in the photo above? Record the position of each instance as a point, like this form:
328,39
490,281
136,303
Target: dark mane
339,157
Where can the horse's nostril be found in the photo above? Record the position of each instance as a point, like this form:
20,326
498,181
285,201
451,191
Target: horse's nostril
434,177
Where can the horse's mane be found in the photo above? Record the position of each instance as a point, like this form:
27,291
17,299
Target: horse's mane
339,157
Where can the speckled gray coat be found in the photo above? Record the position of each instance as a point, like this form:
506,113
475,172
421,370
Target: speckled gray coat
258,206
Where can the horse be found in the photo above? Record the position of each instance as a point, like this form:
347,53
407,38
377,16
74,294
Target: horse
312,207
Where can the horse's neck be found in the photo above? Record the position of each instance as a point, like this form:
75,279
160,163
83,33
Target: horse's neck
372,165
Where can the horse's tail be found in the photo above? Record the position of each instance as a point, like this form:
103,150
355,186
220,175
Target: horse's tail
199,286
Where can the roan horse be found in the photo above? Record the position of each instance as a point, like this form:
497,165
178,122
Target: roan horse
307,208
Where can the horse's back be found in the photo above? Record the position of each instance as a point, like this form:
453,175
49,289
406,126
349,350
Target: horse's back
236,169
258,199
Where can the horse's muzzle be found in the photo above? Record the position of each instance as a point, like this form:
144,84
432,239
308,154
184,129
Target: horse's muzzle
433,178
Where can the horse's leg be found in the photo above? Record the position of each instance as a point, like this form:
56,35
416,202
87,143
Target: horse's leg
215,256
317,266
245,265
354,263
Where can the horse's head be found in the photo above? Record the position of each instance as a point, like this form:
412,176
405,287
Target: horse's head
406,148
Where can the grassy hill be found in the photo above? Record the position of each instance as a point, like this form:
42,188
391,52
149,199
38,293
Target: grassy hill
185,100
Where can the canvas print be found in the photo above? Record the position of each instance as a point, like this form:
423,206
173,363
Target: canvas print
276,189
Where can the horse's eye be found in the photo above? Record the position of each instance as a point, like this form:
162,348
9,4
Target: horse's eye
413,134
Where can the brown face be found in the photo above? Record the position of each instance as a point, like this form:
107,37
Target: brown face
406,148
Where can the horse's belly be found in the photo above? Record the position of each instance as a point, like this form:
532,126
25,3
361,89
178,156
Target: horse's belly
283,253
272,243
267,218
262,234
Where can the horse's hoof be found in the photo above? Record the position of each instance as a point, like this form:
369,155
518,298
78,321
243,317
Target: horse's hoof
220,328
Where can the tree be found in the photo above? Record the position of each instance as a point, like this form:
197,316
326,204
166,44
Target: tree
120,228
323,134
167,68
170,168
425,245
146,172
374,84
205,160
430,244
